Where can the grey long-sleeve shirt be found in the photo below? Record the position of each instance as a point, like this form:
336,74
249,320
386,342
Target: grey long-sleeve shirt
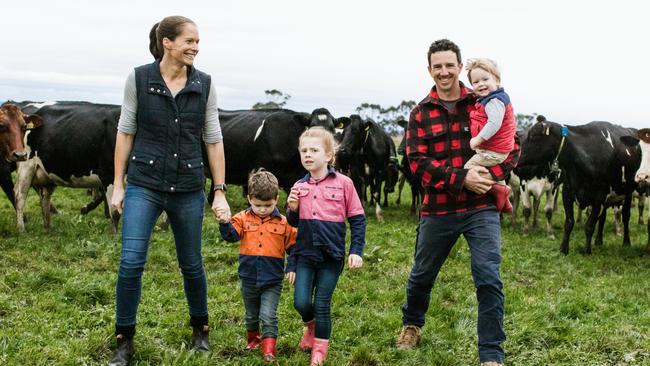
495,110
128,123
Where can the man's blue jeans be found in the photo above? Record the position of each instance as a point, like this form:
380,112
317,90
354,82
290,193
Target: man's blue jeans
436,236
142,206
315,284
261,305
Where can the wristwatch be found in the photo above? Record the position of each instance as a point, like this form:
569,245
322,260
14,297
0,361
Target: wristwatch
220,187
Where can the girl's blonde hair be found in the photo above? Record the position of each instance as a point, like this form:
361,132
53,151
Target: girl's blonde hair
485,64
326,137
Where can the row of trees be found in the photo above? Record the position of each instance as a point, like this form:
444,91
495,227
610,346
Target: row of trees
387,117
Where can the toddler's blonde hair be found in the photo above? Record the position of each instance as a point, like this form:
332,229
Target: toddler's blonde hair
485,64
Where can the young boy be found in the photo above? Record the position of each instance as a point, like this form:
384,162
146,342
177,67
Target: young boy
265,239
492,124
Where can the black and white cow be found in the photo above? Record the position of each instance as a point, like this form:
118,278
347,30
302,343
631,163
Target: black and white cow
593,162
417,192
642,175
266,139
73,148
373,159
323,118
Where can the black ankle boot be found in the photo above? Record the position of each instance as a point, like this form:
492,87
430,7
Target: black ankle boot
123,351
200,340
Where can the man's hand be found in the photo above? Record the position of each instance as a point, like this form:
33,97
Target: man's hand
220,207
478,180
293,200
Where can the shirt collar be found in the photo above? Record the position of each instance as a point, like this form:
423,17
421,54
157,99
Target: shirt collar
330,172
274,214
434,98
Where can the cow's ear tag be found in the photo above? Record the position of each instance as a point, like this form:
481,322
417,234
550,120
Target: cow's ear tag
30,125
546,131
367,128
340,125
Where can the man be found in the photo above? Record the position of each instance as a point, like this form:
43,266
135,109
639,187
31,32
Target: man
455,203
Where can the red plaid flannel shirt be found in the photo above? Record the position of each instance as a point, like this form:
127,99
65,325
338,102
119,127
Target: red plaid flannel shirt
437,146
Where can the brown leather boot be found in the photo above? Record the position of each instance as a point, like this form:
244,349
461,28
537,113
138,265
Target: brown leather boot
123,352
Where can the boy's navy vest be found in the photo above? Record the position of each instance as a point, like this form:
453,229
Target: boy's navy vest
166,154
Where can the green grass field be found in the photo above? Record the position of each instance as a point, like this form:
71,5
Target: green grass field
57,297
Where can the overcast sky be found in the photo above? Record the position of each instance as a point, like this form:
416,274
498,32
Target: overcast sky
573,61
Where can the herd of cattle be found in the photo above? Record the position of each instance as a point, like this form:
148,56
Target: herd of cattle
71,144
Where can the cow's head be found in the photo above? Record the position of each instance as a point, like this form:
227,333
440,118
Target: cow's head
13,124
323,118
353,136
641,139
541,146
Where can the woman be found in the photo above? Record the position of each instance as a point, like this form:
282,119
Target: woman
169,107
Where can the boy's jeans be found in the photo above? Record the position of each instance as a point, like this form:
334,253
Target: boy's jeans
261,304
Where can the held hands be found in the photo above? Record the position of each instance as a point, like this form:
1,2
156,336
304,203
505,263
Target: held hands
354,261
293,200
220,208
478,180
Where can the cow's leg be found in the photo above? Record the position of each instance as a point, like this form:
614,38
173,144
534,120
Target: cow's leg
618,213
567,201
24,176
98,197
8,186
400,186
536,202
548,212
46,200
601,226
525,200
627,207
376,196
641,207
516,198
590,224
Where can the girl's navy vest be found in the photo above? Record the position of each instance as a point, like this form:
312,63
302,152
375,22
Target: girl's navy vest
166,154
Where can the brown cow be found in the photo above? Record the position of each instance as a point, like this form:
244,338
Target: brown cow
13,124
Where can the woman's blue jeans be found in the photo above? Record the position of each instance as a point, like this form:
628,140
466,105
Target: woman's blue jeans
315,284
142,207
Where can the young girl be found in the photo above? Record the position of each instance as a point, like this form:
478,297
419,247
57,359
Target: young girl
492,124
318,205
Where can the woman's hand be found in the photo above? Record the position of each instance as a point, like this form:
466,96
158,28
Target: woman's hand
355,261
293,200
117,200
291,277
220,207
